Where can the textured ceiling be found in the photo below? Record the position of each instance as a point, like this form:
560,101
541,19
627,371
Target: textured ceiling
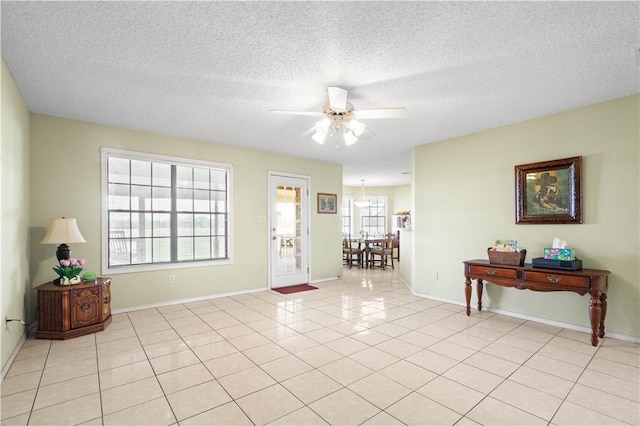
212,70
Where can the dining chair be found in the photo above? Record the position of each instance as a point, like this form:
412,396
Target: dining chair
382,253
351,254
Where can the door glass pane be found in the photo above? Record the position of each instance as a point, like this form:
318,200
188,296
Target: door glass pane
288,229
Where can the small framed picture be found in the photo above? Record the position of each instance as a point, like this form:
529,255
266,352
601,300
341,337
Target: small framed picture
327,203
549,192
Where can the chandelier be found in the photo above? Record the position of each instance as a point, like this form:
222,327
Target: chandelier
338,123
362,201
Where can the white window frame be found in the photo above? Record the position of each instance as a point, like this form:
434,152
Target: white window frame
347,202
375,198
105,153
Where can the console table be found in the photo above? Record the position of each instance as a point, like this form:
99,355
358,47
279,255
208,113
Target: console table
70,311
592,281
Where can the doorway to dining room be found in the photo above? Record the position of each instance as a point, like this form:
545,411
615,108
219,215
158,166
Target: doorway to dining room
288,230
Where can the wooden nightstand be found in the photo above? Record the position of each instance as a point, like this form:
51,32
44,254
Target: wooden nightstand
65,312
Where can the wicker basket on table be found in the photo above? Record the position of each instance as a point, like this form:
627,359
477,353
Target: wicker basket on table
513,258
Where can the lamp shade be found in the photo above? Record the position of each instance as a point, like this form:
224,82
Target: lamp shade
62,231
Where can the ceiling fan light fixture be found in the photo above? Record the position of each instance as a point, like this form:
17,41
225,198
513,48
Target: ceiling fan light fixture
323,125
322,128
319,136
349,138
338,117
357,127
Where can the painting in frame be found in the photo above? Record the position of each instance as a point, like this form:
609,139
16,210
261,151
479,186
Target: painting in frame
327,203
549,192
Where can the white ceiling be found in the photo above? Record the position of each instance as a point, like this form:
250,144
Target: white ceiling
212,70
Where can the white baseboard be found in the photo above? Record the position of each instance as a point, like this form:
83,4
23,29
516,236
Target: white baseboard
325,279
569,326
180,301
28,329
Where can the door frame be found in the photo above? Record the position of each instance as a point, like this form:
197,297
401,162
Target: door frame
306,250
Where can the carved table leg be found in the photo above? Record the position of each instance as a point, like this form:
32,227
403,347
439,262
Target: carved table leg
467,293
603,302
479,287
595,315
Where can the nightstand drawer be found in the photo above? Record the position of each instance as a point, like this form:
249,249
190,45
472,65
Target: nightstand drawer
551,278
492,271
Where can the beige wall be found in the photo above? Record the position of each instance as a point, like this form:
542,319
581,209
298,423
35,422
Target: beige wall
14,199
464,201
66,166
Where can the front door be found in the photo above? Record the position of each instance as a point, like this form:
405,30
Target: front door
288,230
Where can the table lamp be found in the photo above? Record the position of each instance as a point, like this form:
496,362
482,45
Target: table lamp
63,231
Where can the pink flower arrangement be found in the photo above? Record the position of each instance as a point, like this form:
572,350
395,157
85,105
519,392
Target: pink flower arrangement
69,268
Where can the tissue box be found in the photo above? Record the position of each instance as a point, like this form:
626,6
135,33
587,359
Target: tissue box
559,254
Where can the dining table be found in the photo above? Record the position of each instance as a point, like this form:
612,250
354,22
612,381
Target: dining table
364,245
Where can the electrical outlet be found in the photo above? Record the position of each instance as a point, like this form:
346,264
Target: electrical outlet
434,277
172,279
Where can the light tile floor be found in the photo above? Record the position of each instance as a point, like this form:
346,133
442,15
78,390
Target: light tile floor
360,350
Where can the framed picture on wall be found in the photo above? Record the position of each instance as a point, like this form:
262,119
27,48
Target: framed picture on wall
327,203
549,192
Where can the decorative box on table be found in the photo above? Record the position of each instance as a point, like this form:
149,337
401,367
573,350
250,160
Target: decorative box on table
559,254
513,258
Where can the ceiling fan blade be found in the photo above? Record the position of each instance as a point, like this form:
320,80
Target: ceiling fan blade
308,132
380,113
337,98
311,113
368,134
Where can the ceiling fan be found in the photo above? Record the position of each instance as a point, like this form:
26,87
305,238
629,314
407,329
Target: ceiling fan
339,117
